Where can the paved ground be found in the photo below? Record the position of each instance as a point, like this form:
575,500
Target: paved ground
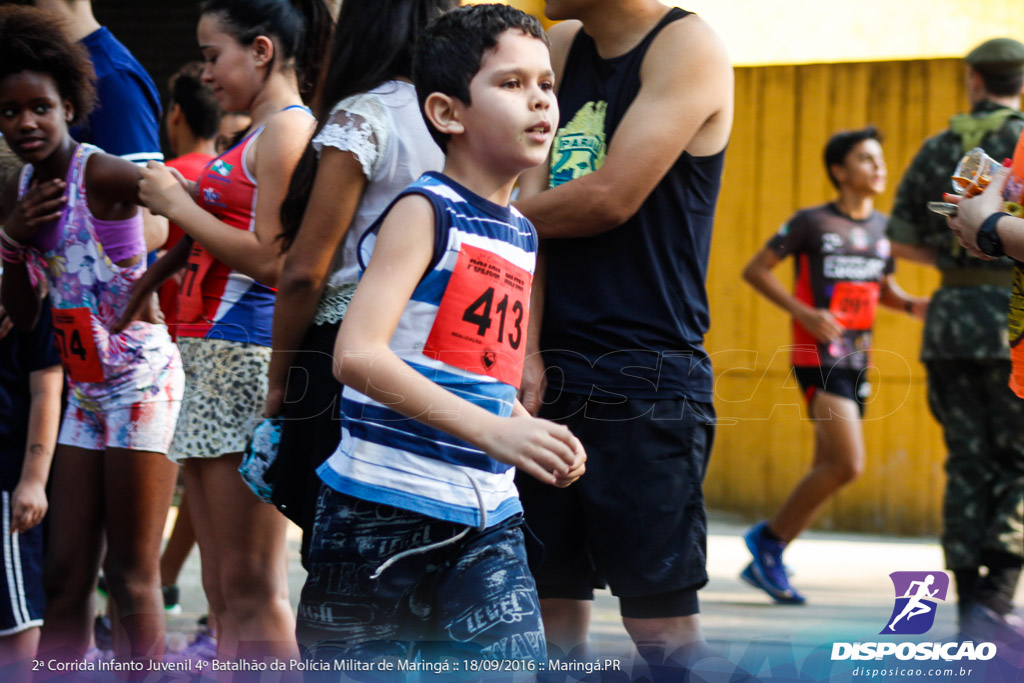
844,576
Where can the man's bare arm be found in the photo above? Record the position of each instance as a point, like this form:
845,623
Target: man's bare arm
684,104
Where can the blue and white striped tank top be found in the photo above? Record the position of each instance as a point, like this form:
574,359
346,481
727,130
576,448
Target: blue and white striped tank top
484,258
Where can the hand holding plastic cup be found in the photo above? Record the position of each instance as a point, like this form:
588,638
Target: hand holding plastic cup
974,173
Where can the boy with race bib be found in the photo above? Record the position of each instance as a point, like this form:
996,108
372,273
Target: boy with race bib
843,271
418,508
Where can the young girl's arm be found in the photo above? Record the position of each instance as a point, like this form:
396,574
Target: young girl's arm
333,201
158,273
28,501
365,362
256,253
41,204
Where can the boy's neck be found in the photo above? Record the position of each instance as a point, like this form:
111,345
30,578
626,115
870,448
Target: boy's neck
855,205
186,143
79,17
491,184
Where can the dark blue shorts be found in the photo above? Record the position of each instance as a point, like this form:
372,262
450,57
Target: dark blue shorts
21,583
472,599
848,383
636,520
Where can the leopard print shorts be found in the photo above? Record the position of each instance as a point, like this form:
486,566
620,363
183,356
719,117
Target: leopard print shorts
225,393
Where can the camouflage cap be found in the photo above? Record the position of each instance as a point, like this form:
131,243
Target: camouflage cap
999,55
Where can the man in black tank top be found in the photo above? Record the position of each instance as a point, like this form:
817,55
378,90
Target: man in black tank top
626,205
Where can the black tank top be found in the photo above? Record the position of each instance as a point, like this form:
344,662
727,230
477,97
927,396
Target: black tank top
626,311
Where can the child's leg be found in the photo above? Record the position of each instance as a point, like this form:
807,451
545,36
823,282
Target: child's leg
838,460
202,530
74,547
19,647
248,538
344,614
21,587
486,603
199,511
138,486
179,545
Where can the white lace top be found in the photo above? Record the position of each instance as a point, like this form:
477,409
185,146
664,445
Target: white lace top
383,128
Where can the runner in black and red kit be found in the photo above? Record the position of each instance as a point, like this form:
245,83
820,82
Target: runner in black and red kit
843,272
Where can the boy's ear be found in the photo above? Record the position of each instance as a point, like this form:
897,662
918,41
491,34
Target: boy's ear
838,172
443,113
174,115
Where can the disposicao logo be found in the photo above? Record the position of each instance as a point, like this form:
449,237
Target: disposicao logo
917,596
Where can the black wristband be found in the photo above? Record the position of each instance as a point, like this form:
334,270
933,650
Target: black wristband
987,239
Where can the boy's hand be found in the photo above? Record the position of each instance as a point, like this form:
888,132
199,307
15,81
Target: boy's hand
820,322
42,204
919,307
575,471
28,506
544,450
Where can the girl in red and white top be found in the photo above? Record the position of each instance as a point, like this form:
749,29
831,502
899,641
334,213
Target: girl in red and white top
258,55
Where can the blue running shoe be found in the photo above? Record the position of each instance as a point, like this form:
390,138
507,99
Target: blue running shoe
767,571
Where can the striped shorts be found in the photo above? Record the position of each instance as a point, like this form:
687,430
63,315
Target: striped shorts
21,582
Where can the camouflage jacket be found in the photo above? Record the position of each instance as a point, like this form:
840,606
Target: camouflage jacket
964,321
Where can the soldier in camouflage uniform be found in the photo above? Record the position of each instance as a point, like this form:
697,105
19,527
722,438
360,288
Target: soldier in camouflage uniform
965,347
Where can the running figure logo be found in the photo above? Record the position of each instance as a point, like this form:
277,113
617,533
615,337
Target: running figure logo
916,596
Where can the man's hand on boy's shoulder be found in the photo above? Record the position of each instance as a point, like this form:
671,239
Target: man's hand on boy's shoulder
543,449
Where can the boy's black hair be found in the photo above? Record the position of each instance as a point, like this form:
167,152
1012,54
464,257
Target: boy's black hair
34,40
198,104
840,144
302,29
452,49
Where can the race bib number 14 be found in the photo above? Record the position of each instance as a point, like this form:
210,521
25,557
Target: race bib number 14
72,329
482,320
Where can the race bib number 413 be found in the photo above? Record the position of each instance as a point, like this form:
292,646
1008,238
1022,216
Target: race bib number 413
482,319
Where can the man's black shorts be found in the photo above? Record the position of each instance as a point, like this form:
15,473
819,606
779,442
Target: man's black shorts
636,520
846,382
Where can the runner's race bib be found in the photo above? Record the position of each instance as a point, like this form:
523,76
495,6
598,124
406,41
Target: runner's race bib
190,296
482,320
72,328
854,304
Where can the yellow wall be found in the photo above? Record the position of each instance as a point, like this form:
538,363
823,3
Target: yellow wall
802,31
785,114
828,31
